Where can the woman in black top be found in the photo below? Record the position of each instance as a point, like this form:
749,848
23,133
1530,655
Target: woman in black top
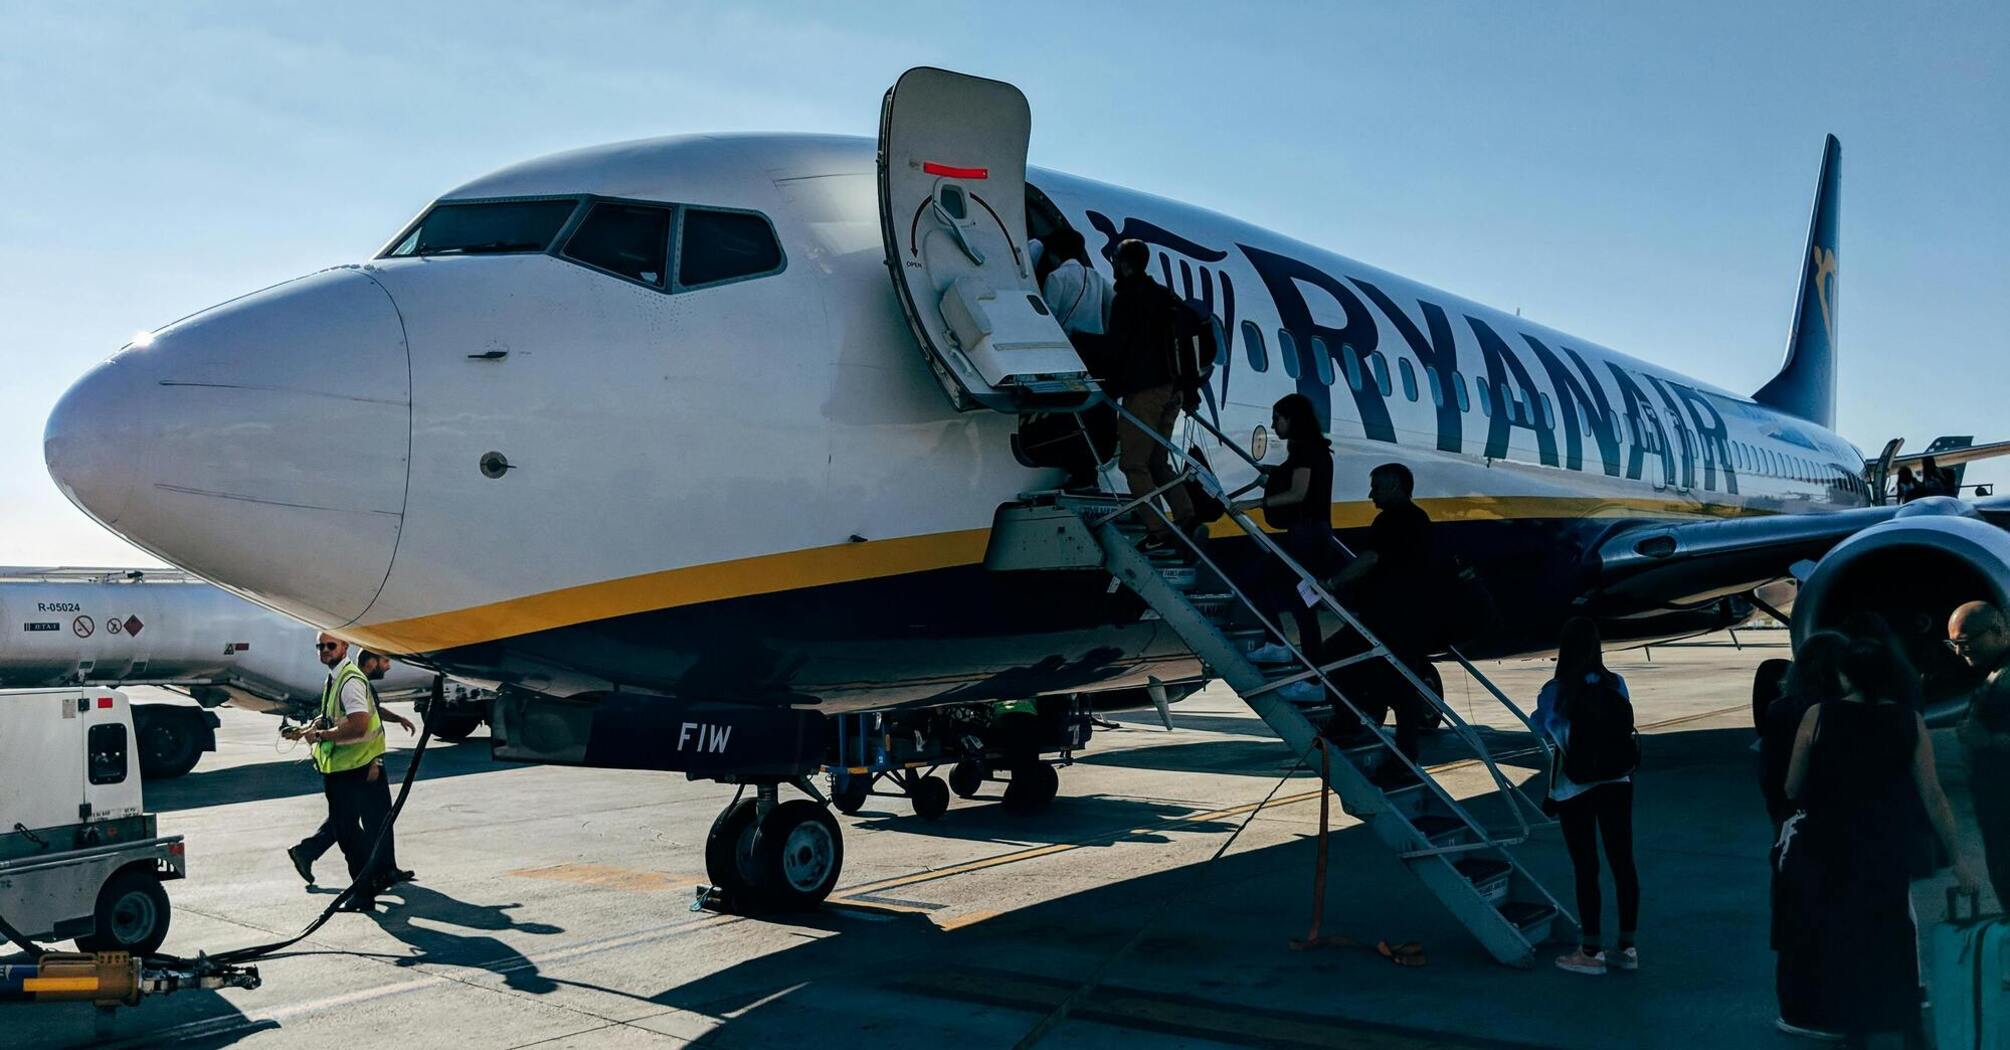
1298,498
1857,763
1816,678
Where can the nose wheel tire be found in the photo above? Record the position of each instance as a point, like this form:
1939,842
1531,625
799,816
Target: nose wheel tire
930,797
1032,786
729,853
131,915
798,853
966,778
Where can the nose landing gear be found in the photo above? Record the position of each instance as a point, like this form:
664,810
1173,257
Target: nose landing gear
764,854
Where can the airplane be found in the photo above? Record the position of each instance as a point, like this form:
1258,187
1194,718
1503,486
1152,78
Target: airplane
164,627
692,445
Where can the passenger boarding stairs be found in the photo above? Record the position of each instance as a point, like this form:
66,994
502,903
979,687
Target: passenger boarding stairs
1465,862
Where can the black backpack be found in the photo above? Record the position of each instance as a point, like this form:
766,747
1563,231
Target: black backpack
1196,344
1603,744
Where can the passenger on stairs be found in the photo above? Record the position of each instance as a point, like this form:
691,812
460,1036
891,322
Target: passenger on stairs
1582,694
1298,498
1142,333
1390,586
1077,293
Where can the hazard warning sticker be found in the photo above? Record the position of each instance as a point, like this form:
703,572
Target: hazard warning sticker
133,625
82,626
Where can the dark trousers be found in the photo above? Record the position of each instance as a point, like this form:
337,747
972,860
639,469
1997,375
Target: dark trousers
1604,811
358,807
1310,544
317,845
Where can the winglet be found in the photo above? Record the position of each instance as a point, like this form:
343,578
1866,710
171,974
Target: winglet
1806,384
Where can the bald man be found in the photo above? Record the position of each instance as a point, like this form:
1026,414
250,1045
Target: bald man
1978,633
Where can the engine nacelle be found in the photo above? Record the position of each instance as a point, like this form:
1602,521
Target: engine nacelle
1913,570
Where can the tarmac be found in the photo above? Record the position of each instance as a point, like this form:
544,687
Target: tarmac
553,905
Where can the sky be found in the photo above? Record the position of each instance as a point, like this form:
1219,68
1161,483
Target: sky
1637,175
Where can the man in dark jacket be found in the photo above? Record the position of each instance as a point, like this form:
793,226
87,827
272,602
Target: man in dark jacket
1978,634
1142,333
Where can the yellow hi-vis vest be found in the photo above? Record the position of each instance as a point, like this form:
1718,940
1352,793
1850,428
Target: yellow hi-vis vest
338,758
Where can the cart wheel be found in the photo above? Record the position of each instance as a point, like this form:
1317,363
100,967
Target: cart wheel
132,914
966,778
851,798
930,797
798,853
1031,787
729,856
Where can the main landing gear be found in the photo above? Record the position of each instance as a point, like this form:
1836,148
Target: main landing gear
764,854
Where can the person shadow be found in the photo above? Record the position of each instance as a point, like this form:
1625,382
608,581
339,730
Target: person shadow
425,919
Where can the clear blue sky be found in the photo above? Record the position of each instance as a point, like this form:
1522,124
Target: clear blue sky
1638,175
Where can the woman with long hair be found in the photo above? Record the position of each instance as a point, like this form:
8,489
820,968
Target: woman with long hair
1593,810
1814,679
1298,499
1861,766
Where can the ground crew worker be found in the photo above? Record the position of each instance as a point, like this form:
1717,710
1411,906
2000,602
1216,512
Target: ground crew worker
348,741
310,849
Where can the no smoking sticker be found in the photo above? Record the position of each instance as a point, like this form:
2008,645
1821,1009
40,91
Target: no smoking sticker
83,626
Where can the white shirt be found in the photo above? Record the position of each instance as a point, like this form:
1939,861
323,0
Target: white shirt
355,696
1550,723
1079,296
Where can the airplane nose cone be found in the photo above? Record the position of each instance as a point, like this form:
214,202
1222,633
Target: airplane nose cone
263,443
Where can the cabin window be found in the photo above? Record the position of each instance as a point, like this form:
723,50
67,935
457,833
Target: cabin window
1379,367
1485,391
1352,364
1287,348
1548,413
1437,390
626,240
1252,344
1459,392
718,246
488,228
1322,362
1409,377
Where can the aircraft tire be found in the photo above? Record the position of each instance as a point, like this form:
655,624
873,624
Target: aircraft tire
455,726
1032,787
966,778
930,797
851,798
168,744
798,853
729,853
1767,683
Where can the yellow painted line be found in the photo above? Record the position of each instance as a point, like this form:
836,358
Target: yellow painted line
876,559
60,984
960,921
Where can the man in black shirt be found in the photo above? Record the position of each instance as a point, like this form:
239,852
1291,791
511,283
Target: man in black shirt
1978,634
1390,585
1141,334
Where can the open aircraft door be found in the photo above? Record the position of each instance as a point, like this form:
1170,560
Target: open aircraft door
952,212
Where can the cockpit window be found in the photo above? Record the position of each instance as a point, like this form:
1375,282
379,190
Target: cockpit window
486,229
631,240
723,246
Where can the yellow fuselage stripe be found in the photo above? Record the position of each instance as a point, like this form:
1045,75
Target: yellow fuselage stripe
850,562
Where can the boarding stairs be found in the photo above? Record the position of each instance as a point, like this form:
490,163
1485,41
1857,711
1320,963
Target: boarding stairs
1467,863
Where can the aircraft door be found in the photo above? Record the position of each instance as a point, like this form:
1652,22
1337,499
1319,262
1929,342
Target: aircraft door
952,212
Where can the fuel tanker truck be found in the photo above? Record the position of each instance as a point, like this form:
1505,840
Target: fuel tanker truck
163,627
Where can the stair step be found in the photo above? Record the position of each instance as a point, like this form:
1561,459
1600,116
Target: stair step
1489,876
1532,918
1440,830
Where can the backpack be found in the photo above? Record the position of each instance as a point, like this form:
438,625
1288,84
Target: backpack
1196,344
1603,744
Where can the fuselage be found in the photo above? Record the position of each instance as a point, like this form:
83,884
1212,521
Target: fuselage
527,470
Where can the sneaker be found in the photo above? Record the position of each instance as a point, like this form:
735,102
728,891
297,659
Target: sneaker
1306,694
1816,1034
1581,961
1273,653
301,864
1624,959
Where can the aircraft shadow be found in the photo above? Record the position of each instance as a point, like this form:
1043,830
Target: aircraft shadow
1212,961
1100,820
260,781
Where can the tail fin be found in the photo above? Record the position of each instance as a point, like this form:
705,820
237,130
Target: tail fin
1806,384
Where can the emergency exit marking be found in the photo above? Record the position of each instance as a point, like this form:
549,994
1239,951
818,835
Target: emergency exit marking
83,626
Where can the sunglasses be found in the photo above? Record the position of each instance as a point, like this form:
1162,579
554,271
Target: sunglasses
327,647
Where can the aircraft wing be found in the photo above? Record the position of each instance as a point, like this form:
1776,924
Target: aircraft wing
1949,457
1688,563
